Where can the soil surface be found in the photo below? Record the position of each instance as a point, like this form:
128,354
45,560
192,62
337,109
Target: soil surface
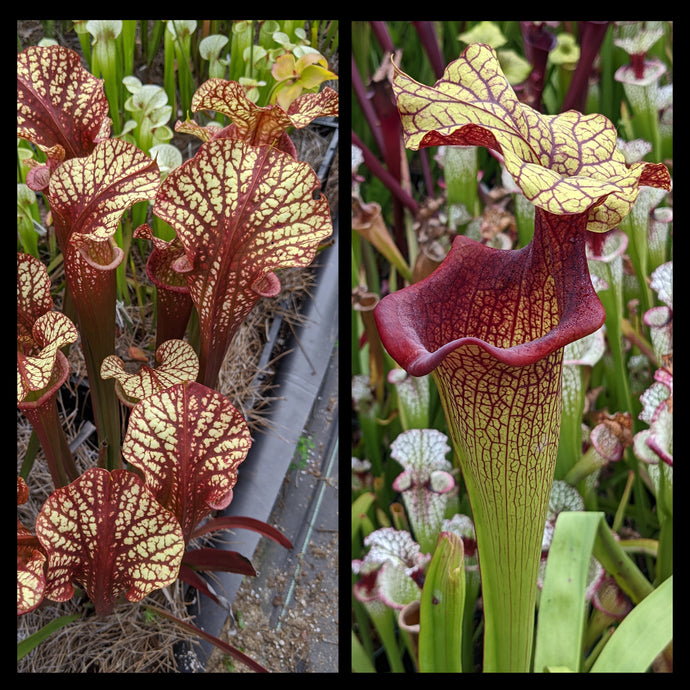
286,618
305,638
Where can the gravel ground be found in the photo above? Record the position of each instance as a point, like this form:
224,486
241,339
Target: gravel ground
286,618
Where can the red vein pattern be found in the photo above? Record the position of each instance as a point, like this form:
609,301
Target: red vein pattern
251,123
61,107
566,163
241,212
106,532
491,325
177,363
188,440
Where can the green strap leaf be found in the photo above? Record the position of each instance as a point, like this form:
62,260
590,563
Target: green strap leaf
637,641
31,642
360,661
562,604
442,607
359,507
641,636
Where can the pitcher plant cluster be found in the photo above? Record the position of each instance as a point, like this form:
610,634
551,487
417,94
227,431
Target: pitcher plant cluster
512,354
217,229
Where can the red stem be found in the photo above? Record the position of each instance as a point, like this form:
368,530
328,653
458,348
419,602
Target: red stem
366,106
538,42
93,289
383,36
380,171
391,128
591,37
637,61
429,40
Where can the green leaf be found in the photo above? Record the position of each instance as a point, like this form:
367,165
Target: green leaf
31,642
642,635
359,508
442,608
562,605
609,552
361,663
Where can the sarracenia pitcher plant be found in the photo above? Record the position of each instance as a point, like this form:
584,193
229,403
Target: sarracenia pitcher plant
490,325
241,208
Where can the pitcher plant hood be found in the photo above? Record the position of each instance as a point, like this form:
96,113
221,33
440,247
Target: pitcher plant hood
491,324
